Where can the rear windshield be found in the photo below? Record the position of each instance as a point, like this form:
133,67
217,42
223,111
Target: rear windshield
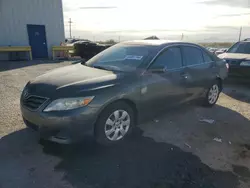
240,47
121,57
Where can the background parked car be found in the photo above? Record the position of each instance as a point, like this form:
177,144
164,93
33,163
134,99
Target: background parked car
238,58
213,50
220,51
73,42
86,49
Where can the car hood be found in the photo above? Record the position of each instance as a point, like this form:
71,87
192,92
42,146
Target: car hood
72,79
235,56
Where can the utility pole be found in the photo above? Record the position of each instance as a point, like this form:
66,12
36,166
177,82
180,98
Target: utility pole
70,22
240,33
182,36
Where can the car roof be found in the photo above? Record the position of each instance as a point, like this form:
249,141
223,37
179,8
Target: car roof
243,42
156,43
150,42
246,40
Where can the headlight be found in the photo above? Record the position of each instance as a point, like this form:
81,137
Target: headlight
245,63
68,103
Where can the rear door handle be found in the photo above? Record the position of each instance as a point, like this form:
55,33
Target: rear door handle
184,75
213,65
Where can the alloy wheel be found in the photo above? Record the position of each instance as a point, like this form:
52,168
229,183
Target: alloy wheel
213,94
117,125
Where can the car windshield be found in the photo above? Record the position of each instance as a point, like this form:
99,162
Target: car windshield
240,47
120,57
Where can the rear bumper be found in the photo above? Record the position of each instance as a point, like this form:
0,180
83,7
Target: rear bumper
61,127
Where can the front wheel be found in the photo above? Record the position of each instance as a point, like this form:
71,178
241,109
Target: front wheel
212,95
114,124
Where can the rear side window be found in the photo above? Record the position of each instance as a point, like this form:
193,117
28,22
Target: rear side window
192,55
171,59
206,57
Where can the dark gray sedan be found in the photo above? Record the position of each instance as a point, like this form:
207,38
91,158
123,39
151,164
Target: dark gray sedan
112,92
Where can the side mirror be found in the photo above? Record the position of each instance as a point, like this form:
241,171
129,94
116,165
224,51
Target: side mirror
78,61
158,69
83,61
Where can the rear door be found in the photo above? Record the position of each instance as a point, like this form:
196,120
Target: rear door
164,88
199,71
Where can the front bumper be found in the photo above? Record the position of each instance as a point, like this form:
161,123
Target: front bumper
239,72
64,126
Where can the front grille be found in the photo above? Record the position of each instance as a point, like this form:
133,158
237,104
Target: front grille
33,102
233,62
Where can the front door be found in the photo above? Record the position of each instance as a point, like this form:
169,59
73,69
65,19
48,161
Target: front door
37,41
161,89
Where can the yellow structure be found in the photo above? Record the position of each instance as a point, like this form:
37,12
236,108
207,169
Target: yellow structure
17,49
64,49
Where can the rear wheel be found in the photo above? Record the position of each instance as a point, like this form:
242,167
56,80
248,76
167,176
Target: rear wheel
114,124
212,94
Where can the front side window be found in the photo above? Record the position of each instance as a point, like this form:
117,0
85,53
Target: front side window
240,47
120,57
170,59
192,55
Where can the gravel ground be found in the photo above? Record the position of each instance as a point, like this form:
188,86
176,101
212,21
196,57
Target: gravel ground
174,150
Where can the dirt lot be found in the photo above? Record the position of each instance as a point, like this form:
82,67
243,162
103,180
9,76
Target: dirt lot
173,150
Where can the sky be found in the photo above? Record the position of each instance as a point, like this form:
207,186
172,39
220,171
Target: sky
198,20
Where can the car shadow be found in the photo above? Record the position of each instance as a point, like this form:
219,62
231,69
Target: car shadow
138,162
10,65
237,90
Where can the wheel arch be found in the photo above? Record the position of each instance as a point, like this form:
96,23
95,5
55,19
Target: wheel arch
219,80
129,102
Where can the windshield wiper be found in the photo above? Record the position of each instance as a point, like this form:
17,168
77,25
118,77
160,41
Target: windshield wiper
109,68
100,67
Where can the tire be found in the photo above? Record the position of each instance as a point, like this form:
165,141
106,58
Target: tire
115,123
212,94
45,143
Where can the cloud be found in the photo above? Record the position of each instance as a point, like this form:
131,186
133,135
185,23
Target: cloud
197,19
220,34
101,7
147,30
67,8
209,34
231,3
221,28
232,15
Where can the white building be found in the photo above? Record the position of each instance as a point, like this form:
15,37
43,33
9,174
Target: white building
35,23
